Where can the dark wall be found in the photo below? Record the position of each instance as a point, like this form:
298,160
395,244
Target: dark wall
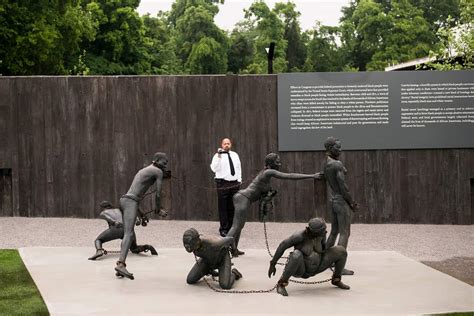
71,142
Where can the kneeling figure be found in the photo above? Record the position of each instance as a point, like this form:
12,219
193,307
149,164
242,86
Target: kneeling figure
213,254
309,256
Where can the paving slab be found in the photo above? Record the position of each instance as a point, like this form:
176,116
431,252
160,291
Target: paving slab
385,282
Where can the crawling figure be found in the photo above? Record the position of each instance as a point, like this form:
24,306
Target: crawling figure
213,254
114,218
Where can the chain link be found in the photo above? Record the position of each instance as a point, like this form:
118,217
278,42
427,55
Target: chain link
266,242
209,285
111,251
309,282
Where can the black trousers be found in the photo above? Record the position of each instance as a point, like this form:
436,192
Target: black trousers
225,193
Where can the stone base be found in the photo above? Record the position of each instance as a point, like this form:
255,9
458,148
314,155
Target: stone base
385,282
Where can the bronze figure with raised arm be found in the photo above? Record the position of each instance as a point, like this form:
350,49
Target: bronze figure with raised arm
259,189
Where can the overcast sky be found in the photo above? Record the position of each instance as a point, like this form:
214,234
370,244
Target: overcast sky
327,12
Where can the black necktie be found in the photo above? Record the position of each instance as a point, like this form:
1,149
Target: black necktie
232,170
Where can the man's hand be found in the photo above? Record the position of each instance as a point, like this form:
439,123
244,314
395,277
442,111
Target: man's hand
354,206
271,270
162,213
219,151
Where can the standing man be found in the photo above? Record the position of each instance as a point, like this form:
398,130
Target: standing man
228,177
144,179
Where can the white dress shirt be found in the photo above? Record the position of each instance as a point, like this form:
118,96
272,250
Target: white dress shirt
221,167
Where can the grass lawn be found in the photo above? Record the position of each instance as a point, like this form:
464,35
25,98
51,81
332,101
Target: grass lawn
18,292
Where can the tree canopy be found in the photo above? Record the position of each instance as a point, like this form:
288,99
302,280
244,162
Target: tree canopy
109,37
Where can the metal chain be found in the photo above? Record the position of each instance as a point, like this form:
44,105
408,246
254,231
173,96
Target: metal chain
266,242
308,282
176,179
238,291
209,285
106,252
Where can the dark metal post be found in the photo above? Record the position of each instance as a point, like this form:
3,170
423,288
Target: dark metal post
270,54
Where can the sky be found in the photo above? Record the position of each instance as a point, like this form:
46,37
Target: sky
327,12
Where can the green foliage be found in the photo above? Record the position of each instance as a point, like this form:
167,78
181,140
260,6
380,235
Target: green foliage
406,37
296,46
207,57
108,37
179,7
456,46
42,37
199,40
160,45
361,28
265,26
324,53
378,33
436,12
18,292
241,51
120,45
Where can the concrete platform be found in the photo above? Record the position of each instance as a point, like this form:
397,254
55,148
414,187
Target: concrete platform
385,283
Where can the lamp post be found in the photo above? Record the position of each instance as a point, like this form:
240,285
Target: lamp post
270,54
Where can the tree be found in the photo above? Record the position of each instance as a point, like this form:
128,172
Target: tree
436,12
296,47
43,37
407,36
324,54
160,44
267,27
375,34
360,32
199,40
241,51
120,45
456,44
179,7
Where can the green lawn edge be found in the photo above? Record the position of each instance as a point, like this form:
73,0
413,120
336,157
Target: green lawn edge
18,292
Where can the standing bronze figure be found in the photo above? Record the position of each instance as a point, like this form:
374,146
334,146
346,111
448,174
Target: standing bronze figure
342,203
259,189
212,253
310,256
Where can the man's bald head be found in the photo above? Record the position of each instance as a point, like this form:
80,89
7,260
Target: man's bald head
226,144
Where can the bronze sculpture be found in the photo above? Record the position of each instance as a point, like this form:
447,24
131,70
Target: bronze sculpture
309,257
259,189
144,179
212,253
342,203
114,218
